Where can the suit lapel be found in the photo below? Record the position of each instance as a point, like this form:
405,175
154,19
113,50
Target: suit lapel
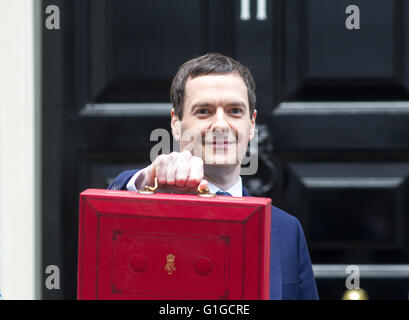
245,193
275,261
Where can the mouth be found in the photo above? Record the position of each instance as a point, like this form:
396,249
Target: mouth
220,140
221,144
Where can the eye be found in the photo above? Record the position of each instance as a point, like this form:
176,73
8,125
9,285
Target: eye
237,111
202,111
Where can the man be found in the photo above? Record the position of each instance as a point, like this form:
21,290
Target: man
213,119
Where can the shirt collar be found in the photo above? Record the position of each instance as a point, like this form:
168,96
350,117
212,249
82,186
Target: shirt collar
235,191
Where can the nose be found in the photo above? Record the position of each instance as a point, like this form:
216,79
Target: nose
220,123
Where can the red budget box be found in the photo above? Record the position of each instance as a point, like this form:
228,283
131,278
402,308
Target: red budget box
172,246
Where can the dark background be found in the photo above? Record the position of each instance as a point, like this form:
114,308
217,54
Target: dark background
333,112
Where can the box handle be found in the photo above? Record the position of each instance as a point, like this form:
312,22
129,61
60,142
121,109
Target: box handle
151,190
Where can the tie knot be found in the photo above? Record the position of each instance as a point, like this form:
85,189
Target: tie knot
222,193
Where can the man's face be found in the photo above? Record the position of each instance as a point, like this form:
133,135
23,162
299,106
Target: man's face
216,124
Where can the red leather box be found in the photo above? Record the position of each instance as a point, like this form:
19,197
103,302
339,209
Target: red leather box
172,246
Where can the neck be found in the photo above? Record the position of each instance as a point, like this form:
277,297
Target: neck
223,177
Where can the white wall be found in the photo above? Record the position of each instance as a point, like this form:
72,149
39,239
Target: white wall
19,150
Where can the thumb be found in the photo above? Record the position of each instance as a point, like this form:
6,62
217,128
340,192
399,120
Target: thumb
190,147
203,185
150,175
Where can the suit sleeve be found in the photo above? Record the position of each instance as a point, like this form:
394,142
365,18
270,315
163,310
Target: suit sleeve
307,287
122,180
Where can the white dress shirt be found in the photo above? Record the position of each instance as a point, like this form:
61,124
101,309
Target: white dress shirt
235,191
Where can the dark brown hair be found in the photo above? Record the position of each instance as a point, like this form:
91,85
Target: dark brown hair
211,63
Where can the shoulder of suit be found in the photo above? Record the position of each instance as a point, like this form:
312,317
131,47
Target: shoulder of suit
284,217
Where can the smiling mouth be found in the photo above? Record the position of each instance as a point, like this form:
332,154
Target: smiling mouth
225,145
220,143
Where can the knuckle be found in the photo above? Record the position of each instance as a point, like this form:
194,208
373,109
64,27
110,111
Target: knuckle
170,171
160,159
198,165
198,160
196,175
186,154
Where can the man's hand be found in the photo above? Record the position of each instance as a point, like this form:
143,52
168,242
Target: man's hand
177,172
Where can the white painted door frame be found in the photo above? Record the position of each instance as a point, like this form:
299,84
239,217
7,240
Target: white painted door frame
20,224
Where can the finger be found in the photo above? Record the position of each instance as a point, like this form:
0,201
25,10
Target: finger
171,168
149,175
183,164
190,147
195,174
204,186
161,170
182,172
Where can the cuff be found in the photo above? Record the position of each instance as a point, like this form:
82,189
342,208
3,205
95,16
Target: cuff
131,184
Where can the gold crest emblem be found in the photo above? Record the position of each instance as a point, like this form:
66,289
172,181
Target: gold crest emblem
170,264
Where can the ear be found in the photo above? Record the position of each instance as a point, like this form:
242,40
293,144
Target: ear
176,125
252,125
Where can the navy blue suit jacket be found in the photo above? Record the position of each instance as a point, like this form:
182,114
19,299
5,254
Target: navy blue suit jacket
291,275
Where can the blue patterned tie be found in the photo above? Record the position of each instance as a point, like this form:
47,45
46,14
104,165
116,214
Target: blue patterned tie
222,193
